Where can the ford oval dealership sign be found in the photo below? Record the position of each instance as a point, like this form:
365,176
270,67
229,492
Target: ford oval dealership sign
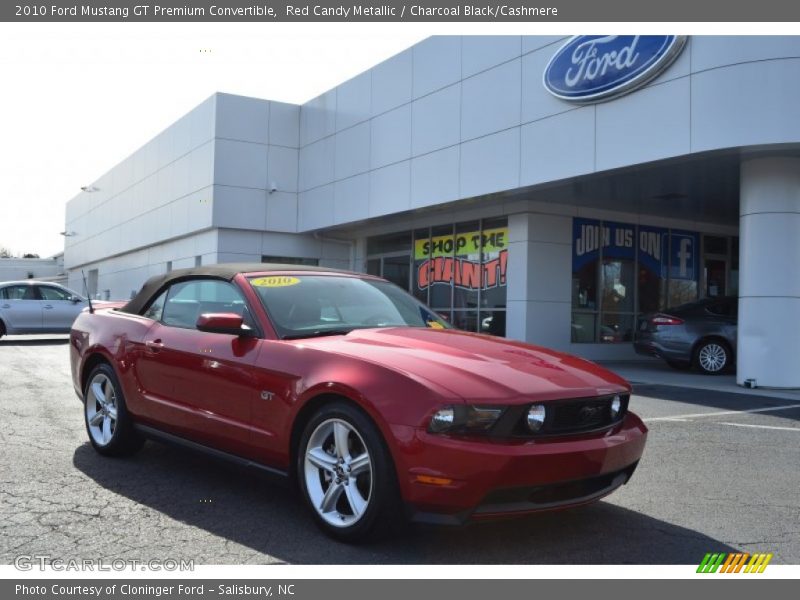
592,68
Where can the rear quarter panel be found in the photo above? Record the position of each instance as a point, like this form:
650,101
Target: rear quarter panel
711,326
116,337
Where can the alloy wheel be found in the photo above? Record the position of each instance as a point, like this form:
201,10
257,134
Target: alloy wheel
712,357
338,473
101,409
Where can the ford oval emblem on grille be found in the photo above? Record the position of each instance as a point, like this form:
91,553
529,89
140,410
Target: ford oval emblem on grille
593,68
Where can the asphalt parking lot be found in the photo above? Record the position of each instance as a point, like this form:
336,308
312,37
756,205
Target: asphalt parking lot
720,473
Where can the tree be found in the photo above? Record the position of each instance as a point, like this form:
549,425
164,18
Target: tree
29,255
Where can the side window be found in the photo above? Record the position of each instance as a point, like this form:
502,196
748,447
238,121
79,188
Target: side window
53,293
188,300
156,308
18,292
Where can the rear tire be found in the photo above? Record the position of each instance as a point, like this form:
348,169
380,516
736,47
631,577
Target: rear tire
346,475
108,423
712,357
2,329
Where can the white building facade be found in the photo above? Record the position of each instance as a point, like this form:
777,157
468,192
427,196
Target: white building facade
452,170
41,269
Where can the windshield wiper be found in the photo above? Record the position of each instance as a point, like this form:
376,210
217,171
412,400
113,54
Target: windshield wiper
317,333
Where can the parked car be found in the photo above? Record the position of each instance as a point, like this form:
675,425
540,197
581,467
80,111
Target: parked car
348,386
700,334
37,307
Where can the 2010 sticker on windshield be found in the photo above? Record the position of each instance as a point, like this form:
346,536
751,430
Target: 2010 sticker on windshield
275,281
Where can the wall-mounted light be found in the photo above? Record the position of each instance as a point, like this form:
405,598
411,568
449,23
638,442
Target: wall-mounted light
67,233
90,188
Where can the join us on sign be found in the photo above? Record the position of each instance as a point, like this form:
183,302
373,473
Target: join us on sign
661,251
591,236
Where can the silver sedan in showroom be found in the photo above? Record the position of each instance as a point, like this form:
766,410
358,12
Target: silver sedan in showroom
37,307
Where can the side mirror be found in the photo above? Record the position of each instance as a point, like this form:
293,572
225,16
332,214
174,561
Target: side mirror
228,323
75,299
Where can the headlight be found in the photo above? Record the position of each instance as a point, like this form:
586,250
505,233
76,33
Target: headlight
535,418
616,406
464,419
442,420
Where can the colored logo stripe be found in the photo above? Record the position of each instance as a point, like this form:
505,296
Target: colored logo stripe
734,562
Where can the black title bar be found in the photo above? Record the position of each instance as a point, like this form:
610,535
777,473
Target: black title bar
400,10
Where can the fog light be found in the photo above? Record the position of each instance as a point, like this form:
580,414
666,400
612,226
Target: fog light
442,420
616,406
535,418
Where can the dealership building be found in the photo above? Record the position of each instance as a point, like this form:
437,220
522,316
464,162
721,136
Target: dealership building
545,188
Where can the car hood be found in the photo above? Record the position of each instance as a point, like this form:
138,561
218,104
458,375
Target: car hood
478,368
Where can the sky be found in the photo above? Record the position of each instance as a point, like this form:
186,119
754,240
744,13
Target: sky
76,99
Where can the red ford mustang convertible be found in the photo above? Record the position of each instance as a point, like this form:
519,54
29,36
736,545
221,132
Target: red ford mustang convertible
348,386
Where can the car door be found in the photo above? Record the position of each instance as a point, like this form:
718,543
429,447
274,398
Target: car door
59,310
198,384
21,308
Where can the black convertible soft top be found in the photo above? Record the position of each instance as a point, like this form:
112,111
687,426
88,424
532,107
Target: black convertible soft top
225,271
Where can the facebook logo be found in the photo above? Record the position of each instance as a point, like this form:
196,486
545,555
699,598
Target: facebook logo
683,255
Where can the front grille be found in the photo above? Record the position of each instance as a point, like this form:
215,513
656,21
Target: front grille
562,417
580,415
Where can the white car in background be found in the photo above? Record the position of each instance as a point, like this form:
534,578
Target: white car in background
37,307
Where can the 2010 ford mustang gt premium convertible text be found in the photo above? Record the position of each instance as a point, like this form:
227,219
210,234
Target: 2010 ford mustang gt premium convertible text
346,385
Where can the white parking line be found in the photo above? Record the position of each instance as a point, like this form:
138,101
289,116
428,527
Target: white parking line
760,426
722,412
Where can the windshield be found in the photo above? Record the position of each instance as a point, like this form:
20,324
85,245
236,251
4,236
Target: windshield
314,305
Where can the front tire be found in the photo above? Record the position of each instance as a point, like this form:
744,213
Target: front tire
712,357
346,475
106,416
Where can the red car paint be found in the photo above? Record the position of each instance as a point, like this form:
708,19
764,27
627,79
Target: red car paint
207,387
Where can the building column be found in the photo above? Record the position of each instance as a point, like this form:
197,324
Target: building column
769,290
538,279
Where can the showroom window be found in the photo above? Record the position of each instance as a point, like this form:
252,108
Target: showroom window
620,271
458,270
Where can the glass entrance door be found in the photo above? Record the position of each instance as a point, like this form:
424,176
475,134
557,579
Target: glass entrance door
716,259
715,271
395,267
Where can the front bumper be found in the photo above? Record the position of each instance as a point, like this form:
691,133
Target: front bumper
490,478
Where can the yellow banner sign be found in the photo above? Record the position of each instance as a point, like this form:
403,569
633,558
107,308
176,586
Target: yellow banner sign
492,241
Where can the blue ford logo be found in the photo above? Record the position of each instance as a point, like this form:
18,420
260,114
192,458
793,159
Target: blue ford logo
590,68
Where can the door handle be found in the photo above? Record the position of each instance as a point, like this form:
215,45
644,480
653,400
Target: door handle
6,306
48,306
154,346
